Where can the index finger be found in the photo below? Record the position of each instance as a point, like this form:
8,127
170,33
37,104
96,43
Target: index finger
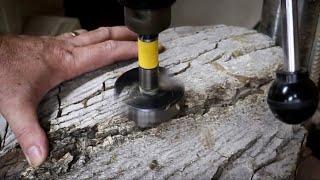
119,33
95,56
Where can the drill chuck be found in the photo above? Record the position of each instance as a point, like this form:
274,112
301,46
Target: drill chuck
147,21
147,17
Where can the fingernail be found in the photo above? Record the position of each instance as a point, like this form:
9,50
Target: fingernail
34,156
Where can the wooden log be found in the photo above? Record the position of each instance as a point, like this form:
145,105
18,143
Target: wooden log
225,132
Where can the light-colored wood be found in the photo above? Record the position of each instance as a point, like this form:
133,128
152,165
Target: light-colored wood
226,131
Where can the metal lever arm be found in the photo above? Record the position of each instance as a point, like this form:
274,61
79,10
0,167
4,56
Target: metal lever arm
293,97
290,35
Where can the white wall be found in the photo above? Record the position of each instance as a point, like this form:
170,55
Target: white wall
205,12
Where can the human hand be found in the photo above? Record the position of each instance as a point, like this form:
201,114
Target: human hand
31,66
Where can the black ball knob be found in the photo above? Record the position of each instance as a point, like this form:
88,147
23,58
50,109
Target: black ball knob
293,97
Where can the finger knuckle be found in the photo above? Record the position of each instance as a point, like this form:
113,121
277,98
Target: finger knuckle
63,53
111,45
105,30
65,56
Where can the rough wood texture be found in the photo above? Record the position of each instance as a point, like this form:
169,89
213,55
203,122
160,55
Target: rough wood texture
226,131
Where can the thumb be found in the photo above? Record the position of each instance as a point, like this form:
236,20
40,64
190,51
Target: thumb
22,118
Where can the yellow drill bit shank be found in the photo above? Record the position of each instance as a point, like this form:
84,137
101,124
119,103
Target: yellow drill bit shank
148,54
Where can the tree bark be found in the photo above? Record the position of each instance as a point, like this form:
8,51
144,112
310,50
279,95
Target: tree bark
225,132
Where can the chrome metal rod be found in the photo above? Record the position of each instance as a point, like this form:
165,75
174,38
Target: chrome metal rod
149,81
290,35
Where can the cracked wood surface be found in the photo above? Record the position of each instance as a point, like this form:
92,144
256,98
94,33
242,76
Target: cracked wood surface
225,132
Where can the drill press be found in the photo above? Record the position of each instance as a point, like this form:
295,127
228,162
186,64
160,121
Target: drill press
153,100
